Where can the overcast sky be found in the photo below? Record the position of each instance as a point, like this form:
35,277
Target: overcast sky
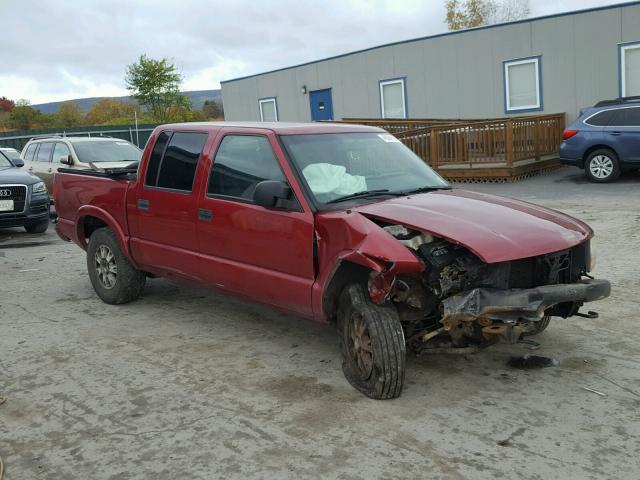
62,49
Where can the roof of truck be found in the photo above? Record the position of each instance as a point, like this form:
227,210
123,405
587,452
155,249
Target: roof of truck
285,128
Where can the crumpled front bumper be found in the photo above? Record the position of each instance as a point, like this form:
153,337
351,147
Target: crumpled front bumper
520,304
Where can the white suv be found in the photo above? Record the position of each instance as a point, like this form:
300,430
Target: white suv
43,156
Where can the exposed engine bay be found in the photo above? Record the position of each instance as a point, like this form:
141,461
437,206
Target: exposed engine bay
461,303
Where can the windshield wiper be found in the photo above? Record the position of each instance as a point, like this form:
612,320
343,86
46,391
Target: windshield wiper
363,194
424,190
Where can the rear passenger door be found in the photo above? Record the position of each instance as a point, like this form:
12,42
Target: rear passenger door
623,132
262,253
163,223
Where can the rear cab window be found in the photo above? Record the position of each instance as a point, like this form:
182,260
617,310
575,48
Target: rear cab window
174,160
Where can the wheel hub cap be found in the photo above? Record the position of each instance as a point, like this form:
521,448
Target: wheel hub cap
106,267
601,166
360,346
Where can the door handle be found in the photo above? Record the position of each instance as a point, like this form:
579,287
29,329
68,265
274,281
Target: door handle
615,134
205,215
143,204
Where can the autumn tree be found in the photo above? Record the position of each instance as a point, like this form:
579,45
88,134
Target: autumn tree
24,116
6,105
476,13
110,110
213,109
69,115
155,84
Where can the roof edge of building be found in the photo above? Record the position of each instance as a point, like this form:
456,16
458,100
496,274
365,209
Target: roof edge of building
438,35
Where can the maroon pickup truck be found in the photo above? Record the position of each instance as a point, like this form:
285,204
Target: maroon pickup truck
337,223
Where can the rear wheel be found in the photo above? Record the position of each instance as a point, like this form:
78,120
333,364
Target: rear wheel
602,166
38,227
372,344
113,277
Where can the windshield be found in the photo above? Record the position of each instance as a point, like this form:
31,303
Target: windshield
337,165
4,162
101,151
11,154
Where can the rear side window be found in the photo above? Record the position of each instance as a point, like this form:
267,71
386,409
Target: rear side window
154,160
601,119
633,117
44,154
31,149
180,160
619,118
241,163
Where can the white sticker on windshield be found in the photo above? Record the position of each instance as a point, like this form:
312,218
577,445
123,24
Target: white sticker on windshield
387,137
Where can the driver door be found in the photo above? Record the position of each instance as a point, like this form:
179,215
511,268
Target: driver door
261,253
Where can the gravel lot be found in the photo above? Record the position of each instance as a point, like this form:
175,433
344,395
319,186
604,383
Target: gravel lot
189,384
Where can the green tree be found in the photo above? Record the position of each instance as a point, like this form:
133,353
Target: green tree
155,84
213,109
111,111
475,13
69,115
24,116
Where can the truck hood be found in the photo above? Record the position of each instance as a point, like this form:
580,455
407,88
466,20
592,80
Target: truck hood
496,229
14,175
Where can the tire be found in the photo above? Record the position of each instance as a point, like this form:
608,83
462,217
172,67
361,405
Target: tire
37,227
113,278
377,372
538,327
602,166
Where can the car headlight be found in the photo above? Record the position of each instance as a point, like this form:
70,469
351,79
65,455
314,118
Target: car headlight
39,187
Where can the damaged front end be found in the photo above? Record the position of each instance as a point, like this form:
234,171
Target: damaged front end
460,303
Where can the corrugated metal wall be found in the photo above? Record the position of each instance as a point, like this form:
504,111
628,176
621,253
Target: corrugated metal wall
19,138
457,75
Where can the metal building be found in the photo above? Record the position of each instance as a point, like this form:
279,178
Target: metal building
552,64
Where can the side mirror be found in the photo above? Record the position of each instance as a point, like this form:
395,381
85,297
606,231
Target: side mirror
66,160
272,194
18,162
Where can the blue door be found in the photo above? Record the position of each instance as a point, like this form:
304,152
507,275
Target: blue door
321,105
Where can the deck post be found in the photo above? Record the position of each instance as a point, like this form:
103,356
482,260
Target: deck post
433,148
508,143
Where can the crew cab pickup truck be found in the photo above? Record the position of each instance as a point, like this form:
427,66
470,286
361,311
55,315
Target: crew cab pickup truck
337,223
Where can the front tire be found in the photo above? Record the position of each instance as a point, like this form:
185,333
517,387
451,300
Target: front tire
37,227
113,277
602,166
372,344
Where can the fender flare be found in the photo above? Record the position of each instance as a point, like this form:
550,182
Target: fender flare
106,217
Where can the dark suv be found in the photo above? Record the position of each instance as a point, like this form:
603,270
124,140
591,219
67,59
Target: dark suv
604,140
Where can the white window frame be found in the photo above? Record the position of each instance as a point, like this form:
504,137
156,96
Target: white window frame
521,61
623,60
262,101
392,81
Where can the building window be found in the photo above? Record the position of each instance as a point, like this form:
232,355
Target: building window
630,69
522,85
268,109
393,99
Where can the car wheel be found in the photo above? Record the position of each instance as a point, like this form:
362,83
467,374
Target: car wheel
37,227
602,166
538,327
372,344
113,277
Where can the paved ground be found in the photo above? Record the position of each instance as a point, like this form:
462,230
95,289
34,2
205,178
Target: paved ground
189,384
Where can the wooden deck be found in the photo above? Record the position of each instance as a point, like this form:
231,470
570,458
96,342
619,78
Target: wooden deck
496,150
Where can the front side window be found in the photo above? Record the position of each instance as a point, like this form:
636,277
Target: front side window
31,149
243,161
340,164
153,165
44,154
60,150
522,85
268,109
180,160
393,102
630,69
4,161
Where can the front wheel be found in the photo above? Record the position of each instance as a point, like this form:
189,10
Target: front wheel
602,166
113,277
38,227
372,344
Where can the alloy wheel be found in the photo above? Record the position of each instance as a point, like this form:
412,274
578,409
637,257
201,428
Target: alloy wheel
360,345
106,267
601,166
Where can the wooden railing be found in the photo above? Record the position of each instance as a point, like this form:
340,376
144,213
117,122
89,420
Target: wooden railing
477,142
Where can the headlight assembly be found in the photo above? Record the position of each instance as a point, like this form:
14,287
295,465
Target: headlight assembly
39,187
